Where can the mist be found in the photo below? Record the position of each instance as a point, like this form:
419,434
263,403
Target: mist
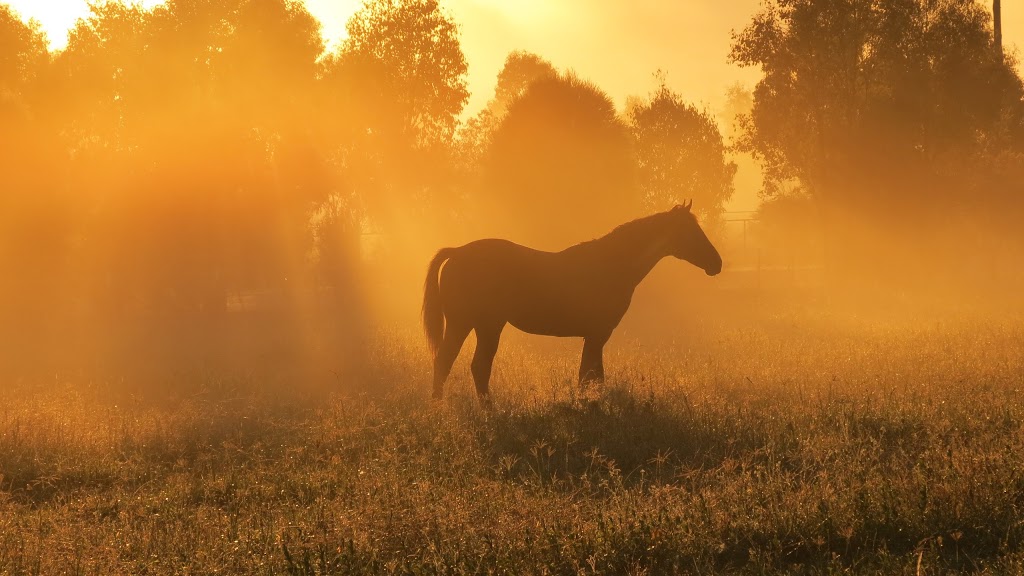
246,327
208,187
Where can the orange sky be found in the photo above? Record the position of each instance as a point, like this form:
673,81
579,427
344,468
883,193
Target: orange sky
616,44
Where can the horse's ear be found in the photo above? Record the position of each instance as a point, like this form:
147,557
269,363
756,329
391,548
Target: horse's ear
685,206
688,205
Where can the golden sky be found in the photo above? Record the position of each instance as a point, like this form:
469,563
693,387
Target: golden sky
617,44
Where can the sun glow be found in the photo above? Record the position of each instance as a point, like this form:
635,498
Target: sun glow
57,17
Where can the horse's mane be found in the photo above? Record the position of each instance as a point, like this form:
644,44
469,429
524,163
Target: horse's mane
629,233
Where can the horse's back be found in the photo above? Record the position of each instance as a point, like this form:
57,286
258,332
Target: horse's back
493,260
541,292
498,248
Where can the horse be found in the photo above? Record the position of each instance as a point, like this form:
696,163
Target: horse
582,291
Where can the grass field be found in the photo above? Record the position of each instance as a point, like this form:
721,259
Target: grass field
794,444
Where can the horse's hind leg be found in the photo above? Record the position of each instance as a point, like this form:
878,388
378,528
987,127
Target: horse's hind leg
487,338
454,335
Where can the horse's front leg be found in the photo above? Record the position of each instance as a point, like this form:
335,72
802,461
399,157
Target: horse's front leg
592,363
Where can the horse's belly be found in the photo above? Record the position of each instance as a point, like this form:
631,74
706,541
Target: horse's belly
543,327
566,316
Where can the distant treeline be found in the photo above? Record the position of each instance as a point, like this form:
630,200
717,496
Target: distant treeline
169,157
174,159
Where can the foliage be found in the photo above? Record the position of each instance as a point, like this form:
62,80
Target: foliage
520,70
24,56
396,88
411,50
561,154
192,82
883,103
680,155
184,153
739,101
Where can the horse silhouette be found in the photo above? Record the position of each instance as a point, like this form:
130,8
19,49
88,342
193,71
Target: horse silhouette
582,291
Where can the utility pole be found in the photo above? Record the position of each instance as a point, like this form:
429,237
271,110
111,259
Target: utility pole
997,23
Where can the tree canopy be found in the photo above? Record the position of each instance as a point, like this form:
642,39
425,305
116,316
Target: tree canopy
680,154
410,50
560,154
875,103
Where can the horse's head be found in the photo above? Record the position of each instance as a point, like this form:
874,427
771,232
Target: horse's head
687,241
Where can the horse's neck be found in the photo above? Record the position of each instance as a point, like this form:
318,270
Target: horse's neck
637,254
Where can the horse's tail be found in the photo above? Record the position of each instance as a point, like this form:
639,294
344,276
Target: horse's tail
433,314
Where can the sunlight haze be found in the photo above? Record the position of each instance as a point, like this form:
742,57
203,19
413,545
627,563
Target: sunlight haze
511,287
617,45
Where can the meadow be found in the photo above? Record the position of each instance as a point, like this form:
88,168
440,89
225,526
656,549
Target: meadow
801,443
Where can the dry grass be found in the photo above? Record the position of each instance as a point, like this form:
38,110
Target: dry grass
792,446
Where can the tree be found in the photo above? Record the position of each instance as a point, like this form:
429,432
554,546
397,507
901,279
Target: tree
559,167
206,115
23,64
23,56
395,89
520,70
739,101
409,51
680,155
809,61
891,115
36,231
872,103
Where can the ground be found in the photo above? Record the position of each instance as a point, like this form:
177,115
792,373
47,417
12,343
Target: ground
796,443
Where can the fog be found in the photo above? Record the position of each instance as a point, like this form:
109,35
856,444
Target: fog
205,187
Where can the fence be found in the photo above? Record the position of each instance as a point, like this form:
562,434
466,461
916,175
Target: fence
759,256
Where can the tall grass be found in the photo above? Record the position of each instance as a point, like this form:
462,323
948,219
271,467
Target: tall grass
788,447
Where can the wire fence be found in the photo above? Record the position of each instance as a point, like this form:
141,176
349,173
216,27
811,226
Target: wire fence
759,255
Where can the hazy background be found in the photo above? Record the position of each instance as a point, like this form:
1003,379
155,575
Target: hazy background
603,40
615,44
255,185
